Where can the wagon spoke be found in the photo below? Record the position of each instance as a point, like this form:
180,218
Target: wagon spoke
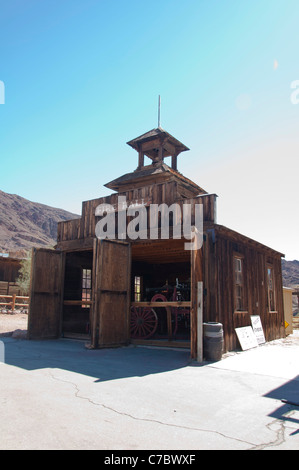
144,322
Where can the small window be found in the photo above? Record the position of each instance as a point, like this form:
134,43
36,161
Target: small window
240,304
271,289
86,287
137,288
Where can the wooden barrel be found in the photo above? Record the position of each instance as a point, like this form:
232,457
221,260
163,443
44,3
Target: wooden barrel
213,341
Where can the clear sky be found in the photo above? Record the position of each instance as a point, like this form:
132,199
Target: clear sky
82,77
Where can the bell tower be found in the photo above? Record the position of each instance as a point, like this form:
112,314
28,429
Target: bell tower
156,145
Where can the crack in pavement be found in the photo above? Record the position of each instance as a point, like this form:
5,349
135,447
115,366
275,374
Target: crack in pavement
281,422
280,435
162,423
277,441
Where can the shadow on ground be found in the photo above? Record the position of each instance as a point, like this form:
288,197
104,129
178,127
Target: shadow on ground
288,394
103,364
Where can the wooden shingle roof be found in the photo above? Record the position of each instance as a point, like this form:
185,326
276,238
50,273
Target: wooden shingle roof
170,143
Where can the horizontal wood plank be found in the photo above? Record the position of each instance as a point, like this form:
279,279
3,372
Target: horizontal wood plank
161,304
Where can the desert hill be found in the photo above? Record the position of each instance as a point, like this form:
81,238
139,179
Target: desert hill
24,224
290,273
290,276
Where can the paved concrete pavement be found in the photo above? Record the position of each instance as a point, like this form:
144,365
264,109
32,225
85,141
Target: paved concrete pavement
59,395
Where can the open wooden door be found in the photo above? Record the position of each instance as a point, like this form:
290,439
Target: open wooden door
46,294
111,293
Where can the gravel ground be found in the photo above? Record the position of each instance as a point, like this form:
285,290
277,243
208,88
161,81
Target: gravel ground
13,324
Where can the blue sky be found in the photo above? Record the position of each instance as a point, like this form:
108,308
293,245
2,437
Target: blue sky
82,77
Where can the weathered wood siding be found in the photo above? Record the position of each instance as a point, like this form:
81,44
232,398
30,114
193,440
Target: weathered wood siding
46,292
111,293
9,269
219,250
168,193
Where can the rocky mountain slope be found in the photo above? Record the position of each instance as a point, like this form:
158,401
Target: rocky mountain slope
290,276
290,273
24,224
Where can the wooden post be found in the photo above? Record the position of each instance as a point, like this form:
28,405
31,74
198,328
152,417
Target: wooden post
196,303
199,321
141,159
160,153
94,313
13,303
169,326
174,160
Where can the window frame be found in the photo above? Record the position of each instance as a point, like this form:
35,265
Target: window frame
244,299
86,275
137,288
270,267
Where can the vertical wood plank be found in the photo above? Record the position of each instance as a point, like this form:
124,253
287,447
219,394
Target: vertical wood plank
46,294
196,304
111,293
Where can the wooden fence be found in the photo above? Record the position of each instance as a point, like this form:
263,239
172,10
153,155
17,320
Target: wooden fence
296,323
14,301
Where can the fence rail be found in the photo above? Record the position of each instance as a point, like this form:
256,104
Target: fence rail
296,323
13,301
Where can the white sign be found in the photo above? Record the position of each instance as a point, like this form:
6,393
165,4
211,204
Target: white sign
257,328
246,337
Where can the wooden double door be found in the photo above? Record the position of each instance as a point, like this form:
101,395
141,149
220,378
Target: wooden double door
110,304
111,299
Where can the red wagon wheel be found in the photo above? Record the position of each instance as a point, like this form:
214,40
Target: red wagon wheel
144,322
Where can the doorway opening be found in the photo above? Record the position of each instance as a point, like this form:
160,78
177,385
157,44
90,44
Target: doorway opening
77,294
160,293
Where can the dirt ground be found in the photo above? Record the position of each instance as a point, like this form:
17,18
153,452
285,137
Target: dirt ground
13,324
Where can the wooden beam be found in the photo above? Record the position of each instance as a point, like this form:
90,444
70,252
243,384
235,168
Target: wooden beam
94,313
196,302
199,321
76,245
162,343
174,162
141,159
161,304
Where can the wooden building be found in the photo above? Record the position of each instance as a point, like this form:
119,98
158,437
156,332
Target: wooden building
9,273
9,268
153,291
